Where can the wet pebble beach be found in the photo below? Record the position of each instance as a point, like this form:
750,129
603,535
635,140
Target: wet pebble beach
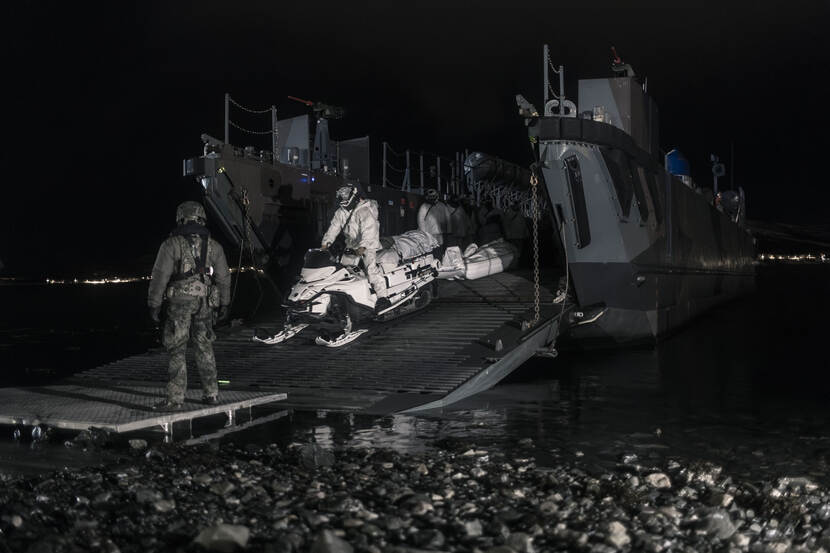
453,497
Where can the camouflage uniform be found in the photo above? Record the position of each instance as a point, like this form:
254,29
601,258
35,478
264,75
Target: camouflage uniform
191,299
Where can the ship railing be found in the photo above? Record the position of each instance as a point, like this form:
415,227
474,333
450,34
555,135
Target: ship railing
273,131
418,171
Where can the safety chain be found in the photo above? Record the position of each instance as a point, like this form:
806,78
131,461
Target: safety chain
249,110
552,92
550,63
534,182
550,86
396,154
246,202
246,130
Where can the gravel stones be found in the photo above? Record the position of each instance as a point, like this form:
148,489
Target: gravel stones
378,501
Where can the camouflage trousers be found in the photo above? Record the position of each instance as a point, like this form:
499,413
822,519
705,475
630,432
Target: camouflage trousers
189,320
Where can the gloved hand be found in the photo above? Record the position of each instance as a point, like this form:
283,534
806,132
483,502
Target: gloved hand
361,250
223,314
155,314
324,247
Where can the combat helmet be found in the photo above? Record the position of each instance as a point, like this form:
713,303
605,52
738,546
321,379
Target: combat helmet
190,212
346,196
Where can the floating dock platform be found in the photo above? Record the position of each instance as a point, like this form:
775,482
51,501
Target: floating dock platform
84,404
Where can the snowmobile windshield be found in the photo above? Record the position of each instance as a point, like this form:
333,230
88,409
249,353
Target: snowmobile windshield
317,259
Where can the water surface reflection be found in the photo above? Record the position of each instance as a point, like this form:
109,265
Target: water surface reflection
742,386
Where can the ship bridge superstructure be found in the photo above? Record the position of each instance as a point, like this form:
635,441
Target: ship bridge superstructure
650,247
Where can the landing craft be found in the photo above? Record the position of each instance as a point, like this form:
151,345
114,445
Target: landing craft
275,205
647,248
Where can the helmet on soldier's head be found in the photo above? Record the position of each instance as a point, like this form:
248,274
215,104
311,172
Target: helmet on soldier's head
431,195
346,196
191,212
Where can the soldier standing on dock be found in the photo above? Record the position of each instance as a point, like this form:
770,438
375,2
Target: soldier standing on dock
192,274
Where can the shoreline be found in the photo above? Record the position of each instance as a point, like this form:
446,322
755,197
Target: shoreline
454,497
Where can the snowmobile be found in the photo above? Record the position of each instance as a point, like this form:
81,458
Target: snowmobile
333,294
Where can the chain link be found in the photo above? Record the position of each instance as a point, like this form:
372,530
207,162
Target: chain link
534,182
247,130
249,110
550,63
552,92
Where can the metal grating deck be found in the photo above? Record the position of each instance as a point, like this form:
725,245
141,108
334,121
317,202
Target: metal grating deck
424,356
118,408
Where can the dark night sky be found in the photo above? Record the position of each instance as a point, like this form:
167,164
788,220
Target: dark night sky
103,103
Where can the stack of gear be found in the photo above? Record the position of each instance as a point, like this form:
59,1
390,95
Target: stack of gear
477,261
410,244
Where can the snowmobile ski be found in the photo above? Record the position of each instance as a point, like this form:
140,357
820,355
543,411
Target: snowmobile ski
282,336
341,340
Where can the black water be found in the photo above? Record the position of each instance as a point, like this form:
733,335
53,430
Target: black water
745,386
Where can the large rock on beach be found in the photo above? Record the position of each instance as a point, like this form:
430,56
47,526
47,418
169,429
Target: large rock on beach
617,534
717,524
328,542
223,538
658,480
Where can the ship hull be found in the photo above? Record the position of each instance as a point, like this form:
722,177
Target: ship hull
665,301
642,245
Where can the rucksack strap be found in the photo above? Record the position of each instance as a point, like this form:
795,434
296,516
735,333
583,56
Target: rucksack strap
200,262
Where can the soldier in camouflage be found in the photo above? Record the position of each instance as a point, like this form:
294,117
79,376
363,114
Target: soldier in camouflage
192,274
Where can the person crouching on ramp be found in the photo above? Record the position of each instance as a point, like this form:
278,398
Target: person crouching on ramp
357,219
191,272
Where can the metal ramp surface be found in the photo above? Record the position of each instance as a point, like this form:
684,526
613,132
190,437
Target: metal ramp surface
464,342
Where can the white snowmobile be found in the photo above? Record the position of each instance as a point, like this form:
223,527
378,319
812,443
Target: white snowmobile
333,295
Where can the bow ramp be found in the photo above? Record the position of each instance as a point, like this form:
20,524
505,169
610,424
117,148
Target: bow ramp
463,343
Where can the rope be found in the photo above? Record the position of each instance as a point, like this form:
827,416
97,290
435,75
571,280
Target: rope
243,129
388,147
390,184
245,202
249,110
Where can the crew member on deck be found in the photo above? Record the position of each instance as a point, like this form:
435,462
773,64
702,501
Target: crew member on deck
434,217
192,274
357,218
461,234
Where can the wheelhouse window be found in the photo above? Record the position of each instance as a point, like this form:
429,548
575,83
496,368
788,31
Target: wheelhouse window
623,185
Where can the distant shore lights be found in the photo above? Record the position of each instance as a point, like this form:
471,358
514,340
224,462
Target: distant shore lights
795,258
125,280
